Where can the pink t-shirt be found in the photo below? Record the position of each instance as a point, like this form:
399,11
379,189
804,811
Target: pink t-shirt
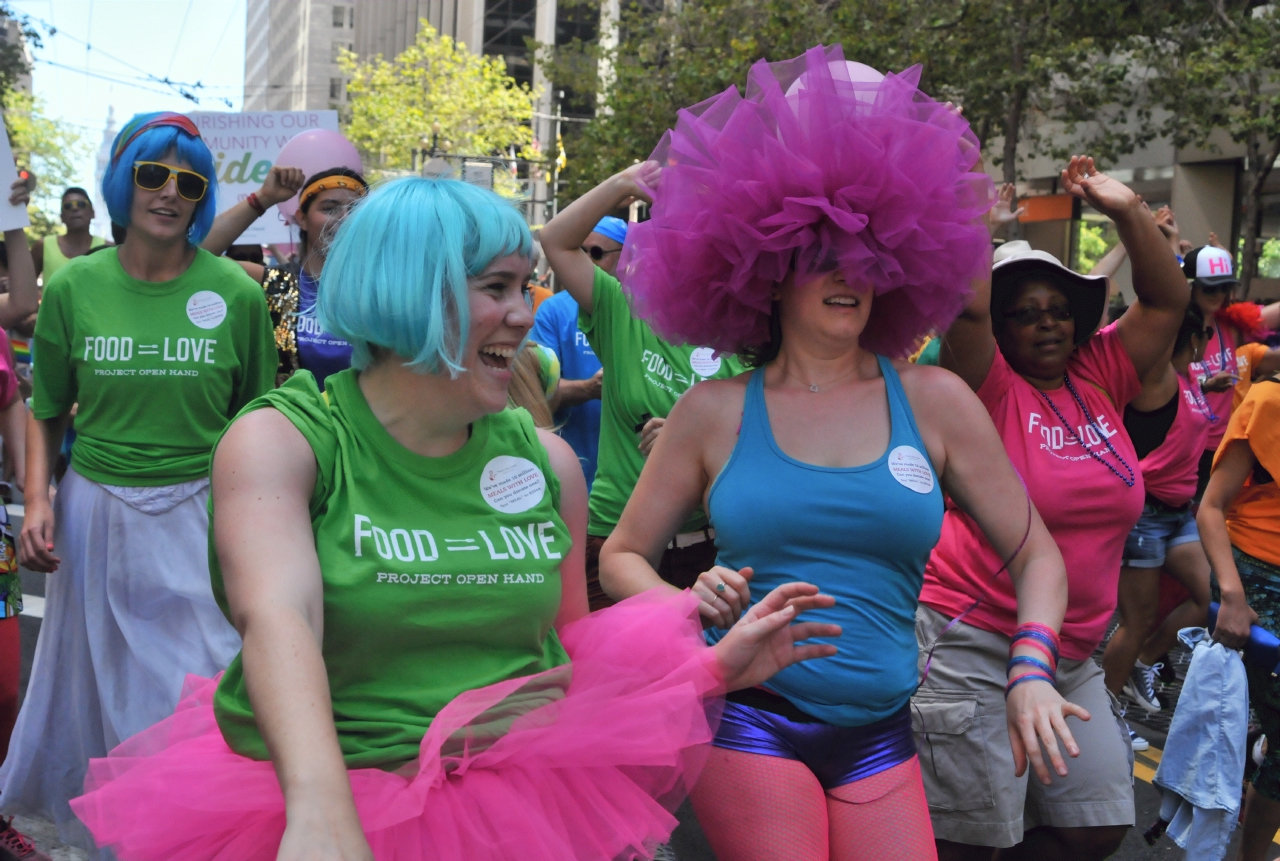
1220,353
1087,508
8,377
1169,471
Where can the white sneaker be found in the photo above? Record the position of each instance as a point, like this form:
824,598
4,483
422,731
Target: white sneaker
1138,742
1140,686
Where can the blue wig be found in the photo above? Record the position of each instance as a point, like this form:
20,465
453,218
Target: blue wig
154,144
396,273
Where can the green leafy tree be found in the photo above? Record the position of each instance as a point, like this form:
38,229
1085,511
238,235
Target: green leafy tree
49,148
1216,66
394,105
1012,64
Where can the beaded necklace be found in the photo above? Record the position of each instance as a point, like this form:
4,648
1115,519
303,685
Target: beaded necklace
1132,479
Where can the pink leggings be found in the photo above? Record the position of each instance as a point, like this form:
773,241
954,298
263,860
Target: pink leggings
767,808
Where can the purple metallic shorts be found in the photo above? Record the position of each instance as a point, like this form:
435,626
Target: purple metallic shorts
837,755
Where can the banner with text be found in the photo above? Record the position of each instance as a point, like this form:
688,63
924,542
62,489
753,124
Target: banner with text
244,147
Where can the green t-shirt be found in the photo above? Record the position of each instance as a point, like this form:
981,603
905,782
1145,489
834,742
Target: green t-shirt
643,378
441,575
158,368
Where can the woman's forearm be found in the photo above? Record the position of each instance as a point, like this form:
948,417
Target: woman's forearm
289,689
1158,280
1212,523
228,227
1038,581
44,442
24,295
624,573
570,228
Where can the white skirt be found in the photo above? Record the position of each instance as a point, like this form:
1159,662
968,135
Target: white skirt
128,614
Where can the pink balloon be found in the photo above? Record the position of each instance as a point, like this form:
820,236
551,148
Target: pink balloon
314,151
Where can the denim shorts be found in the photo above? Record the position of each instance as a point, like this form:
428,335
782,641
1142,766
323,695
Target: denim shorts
1158,530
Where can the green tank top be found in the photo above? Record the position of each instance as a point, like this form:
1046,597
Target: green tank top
54,259
441,575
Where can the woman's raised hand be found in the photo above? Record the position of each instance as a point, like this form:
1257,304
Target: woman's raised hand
764,641
281,184
20,193
1035,712
1107,195
725,594
1003,212
637,182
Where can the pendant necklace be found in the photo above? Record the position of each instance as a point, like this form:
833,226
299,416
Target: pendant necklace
813,387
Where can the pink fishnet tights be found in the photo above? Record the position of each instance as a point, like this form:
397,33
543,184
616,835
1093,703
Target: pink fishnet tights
765,808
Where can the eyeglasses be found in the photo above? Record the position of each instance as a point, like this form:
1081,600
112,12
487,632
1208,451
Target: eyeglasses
1032,316
597,253
1214,289
153,176
73,205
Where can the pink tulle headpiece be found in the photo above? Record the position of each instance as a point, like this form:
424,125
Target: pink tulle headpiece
824,165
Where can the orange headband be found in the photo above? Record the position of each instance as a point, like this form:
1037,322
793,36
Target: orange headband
327,183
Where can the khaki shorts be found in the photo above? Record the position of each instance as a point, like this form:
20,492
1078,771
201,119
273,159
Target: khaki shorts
958,717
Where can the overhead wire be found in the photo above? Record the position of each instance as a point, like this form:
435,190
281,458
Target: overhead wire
177,43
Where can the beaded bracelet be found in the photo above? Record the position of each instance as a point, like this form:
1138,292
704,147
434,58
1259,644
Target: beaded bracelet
1013,683
1027,660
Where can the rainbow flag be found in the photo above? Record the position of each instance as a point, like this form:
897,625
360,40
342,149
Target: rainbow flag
21,350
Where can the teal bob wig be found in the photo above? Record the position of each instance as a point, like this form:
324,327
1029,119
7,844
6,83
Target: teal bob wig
396,273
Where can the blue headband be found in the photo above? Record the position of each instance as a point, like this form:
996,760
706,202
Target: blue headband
614,228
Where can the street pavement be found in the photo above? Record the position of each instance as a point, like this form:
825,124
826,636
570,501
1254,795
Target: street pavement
688,841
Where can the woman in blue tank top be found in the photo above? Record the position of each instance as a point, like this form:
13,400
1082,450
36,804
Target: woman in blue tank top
827,463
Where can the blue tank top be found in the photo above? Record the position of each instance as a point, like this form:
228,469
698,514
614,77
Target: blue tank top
862,534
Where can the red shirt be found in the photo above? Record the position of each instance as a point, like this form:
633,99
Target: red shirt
1087,508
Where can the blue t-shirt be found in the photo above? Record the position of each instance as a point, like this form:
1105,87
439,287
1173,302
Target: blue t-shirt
556,327
318,352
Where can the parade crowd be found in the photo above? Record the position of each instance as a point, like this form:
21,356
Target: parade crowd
809,498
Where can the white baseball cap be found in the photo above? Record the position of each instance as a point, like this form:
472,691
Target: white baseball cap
1208,266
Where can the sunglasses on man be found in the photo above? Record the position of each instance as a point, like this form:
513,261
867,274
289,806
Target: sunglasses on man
597,253
153,176
75,204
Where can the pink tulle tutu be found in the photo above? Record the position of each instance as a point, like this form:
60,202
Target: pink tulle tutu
583,762
823,165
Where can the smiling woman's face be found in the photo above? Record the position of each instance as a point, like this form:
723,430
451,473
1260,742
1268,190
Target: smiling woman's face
163,215
1032,338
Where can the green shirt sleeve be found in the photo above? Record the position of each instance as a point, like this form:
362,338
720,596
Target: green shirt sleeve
54,382
609,312
259,375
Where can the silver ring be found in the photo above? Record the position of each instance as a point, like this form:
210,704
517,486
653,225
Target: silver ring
720,587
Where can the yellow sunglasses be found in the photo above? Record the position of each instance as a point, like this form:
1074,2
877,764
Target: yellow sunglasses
153,176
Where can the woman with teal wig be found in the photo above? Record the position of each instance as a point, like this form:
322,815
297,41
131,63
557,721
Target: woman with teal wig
157,344
404,558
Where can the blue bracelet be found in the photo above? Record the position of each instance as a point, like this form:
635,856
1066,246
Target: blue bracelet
1038,637
1027,678
1028,660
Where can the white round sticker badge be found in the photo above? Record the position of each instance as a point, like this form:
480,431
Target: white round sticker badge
705,362
206,309
512,484
911,469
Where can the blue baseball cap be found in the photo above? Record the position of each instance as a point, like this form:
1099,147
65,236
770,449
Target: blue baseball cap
614,228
